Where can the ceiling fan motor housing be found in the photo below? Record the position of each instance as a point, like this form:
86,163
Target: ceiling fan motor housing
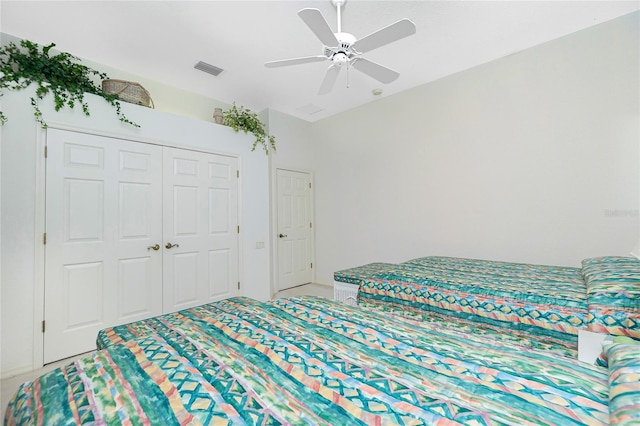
345,40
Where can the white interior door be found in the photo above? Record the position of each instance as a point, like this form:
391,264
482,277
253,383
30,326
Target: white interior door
104,211
294,228
200,228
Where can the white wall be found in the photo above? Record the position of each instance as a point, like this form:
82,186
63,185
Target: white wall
23,216
533,158
294,142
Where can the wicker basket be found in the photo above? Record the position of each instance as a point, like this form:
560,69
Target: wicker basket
345,292
128,91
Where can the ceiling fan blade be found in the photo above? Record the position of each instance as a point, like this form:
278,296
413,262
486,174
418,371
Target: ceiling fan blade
294,61
329,79
380,73
396,31
316,22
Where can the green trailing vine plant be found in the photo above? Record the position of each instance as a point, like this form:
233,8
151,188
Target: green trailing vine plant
246,120
59,75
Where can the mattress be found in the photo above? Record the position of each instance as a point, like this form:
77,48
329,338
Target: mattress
313,361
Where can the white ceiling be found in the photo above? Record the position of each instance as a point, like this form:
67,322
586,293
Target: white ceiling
163,40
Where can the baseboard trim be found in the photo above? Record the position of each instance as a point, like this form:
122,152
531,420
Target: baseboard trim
8,374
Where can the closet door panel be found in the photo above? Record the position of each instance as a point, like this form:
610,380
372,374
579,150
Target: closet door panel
103,209
82,287
134,287
200,228
185,277
220,275
139,227
222,236
185,210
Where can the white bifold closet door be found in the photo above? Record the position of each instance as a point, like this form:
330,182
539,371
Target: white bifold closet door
112,208
201,224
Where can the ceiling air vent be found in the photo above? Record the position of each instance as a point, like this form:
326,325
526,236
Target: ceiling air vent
310,109
208,68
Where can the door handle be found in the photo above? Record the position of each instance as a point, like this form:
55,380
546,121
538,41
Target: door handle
154,247
283,236
169,245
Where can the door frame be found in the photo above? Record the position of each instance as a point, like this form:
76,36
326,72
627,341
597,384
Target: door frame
274,225
40,216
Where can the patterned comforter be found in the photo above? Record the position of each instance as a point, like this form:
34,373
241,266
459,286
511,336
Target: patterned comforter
550,301
311,361
613,295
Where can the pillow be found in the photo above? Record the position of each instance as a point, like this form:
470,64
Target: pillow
624,383
599,268
602,359
613,294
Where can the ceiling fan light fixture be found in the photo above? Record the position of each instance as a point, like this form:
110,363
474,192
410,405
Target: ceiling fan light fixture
340,59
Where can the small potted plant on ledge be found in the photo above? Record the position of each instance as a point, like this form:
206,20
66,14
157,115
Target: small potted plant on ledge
59,75
246,120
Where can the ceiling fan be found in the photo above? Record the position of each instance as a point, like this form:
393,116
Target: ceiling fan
344,49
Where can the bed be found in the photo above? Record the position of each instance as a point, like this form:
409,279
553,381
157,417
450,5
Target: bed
548,301
309,360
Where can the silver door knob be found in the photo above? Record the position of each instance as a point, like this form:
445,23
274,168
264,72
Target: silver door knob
154,247
169,245
282,236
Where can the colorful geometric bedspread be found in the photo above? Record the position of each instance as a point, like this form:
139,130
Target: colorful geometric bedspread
543,300
565,346
310,361
613,290
358,274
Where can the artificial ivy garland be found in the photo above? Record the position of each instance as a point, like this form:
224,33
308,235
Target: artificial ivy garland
59,75
246,120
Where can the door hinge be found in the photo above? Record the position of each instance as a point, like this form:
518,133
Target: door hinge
238,229
310,225
311,265
238,285
309,185
44,238
238,173
46,151
43,326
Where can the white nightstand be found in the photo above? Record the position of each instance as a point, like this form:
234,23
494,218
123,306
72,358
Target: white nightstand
346,292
